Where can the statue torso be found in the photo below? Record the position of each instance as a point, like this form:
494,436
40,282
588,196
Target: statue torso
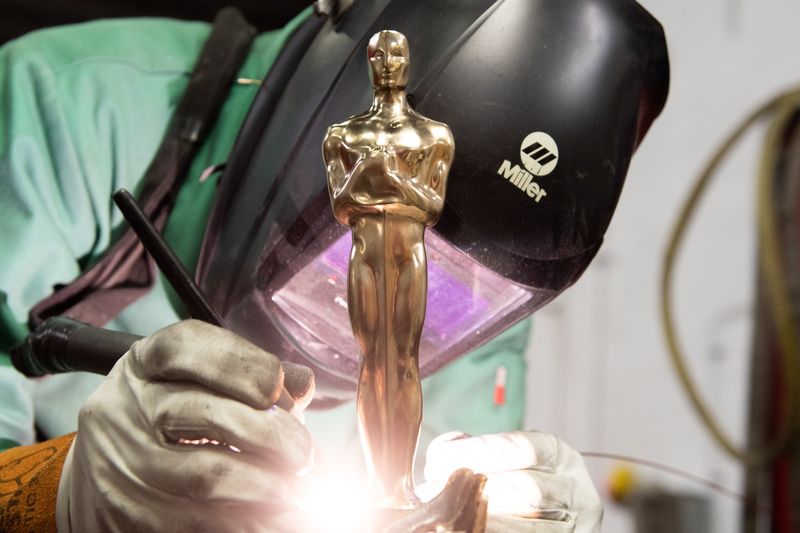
377,152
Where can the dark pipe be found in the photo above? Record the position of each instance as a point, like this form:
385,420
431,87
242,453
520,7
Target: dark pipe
61,344
167,261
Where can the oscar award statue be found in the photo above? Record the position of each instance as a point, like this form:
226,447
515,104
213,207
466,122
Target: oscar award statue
387,172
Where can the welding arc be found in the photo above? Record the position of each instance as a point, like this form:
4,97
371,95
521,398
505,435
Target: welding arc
783,107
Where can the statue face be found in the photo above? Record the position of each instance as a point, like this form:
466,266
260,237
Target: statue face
388,57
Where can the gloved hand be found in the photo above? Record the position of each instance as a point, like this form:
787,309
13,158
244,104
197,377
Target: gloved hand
184,435
535,482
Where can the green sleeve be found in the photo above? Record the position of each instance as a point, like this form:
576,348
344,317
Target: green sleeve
82,111
73,129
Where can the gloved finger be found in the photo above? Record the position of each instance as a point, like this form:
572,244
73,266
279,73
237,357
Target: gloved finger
492,453
217,476
530,494
298,380
182,411
216,358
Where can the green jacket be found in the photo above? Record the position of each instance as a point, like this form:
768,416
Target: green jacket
82,111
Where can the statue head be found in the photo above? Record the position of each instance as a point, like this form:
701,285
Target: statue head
388,58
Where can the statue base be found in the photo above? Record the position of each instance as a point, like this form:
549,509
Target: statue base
459,507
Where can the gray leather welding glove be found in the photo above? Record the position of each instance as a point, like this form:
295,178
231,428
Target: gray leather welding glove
535,482
184,435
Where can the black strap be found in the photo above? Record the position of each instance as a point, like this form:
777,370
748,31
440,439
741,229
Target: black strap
125,272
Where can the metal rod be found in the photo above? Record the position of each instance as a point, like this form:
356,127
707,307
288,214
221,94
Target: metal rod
172,268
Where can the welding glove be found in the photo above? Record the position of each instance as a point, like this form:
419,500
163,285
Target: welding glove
535,482
184,435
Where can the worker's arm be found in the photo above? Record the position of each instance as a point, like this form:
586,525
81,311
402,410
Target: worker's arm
82,109
183,434
29,477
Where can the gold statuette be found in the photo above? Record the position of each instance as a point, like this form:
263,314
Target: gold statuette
387,171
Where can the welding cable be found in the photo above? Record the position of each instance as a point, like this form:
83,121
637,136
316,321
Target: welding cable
783,108
677,472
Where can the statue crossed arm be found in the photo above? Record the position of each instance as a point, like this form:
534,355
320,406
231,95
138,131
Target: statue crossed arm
414,179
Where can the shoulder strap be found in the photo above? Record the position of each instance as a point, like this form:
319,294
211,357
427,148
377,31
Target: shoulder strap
125,272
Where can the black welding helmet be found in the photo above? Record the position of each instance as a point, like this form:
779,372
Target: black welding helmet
547,101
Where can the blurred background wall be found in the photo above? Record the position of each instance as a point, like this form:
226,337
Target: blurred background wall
601,376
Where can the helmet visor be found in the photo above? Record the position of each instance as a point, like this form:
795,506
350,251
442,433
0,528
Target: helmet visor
465,299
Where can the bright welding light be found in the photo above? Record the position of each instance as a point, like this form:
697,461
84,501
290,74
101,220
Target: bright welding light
513,493
511,487
507,493
502,452
335,505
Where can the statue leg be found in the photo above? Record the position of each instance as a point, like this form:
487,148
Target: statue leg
406,294
387,287
366,302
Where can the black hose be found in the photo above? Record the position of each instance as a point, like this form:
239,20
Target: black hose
61,344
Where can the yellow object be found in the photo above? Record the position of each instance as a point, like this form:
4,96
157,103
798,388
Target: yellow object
621,482
29,477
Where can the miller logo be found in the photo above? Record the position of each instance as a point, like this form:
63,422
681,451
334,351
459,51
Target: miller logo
539,154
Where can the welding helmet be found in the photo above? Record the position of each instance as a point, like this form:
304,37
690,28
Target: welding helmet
547,101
